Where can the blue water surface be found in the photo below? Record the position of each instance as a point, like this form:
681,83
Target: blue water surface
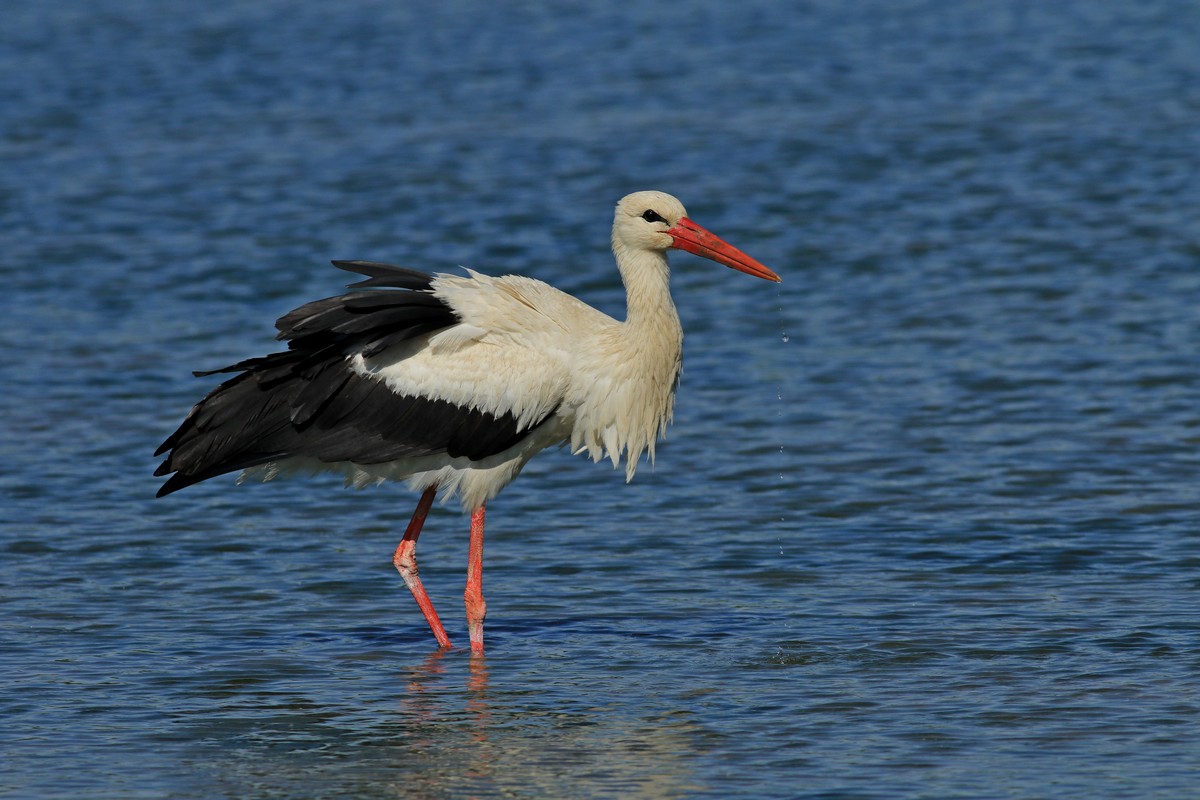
927,524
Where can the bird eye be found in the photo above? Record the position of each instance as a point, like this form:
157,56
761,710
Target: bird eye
652,216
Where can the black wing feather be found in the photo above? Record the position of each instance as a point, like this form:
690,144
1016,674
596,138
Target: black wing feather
385,275
308,401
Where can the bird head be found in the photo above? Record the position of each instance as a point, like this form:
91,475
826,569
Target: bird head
656,221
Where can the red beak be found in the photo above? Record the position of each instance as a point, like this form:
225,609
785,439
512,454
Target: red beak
691,237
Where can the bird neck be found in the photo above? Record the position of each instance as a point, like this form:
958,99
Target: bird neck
628,404
648,302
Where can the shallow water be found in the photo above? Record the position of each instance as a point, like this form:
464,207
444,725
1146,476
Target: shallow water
928,521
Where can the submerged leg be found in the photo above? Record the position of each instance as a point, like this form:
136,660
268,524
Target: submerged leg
476,608
405,560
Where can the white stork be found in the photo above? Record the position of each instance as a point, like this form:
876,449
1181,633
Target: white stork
453,383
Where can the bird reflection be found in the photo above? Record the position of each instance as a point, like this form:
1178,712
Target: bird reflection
458,734
427,686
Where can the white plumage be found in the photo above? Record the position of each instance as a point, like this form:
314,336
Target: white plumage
453,383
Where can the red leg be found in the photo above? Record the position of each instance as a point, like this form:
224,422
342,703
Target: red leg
405,560
476,608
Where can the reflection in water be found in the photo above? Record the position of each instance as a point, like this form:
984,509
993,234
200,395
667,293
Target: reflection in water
423,702
416,700
458,735
479,674
479,709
